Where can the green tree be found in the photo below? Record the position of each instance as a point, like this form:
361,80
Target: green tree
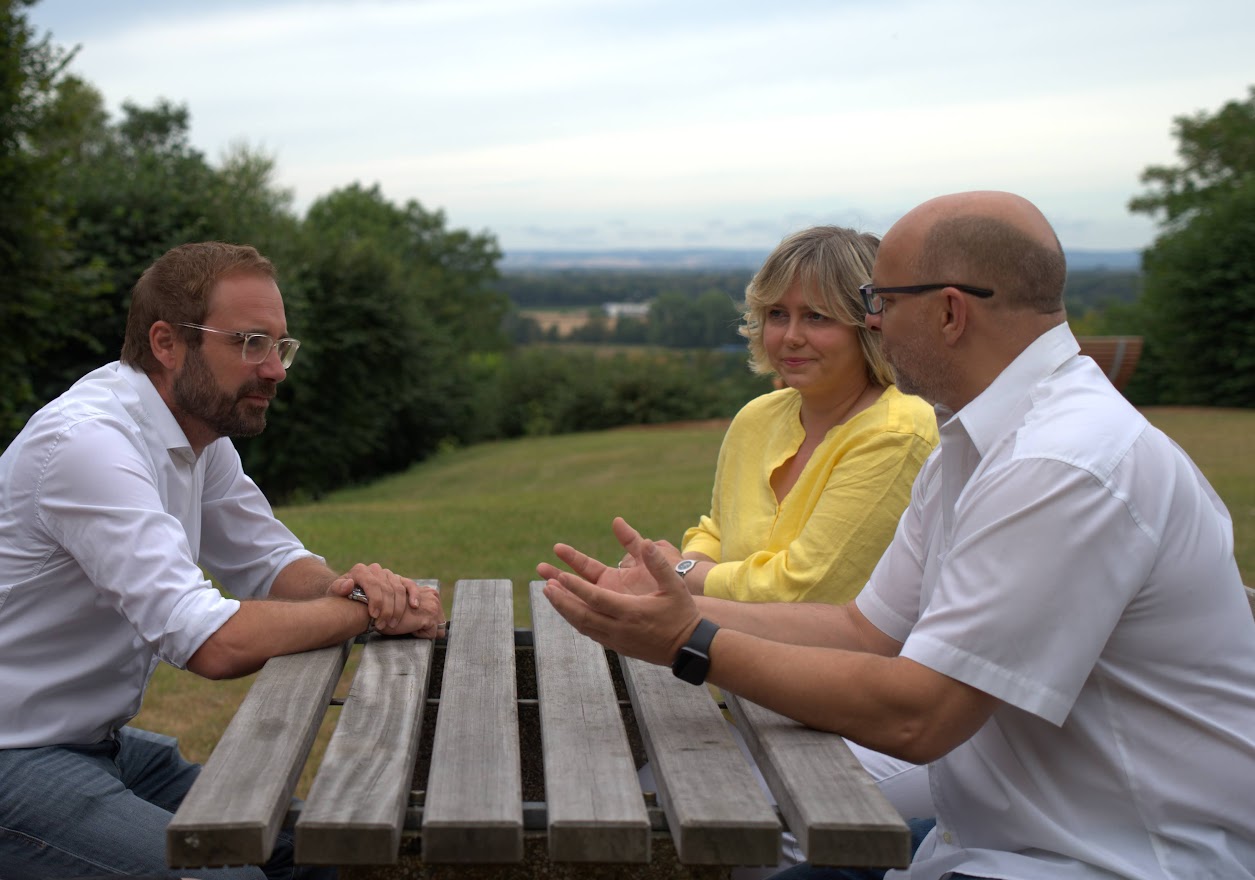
1199,296
706,321
135,189
43,286
391,312
1217,157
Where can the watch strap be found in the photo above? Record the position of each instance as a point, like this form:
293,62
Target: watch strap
692,661
357,594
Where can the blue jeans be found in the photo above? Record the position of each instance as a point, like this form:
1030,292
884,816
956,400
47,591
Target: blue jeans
77,811
806,871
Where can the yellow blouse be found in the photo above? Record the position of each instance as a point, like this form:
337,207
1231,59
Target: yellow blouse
822,541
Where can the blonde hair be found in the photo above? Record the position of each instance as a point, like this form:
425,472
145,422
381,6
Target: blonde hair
830,262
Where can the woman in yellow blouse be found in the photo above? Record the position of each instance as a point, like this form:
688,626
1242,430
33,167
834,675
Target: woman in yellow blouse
811,479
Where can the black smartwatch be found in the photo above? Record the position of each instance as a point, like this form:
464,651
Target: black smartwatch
692,663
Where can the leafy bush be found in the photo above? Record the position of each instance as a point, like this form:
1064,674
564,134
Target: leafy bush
539,391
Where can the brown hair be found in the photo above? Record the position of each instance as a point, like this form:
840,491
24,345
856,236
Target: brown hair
984,251
176,289
831,262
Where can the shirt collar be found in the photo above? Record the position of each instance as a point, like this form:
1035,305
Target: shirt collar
154,413
985,416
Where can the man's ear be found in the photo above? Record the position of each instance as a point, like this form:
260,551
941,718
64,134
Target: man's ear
164,342
955,315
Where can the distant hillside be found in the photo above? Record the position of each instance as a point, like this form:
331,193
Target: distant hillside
722,259
1120,261
651,260
553,280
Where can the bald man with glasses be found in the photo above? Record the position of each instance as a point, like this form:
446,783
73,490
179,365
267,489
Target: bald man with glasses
113,499
1058,629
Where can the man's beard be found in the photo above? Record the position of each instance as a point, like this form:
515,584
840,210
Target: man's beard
198,395
915,373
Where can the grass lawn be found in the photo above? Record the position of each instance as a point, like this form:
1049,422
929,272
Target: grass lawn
494,511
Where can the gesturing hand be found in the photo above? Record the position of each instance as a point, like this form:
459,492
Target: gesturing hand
629,576
644,611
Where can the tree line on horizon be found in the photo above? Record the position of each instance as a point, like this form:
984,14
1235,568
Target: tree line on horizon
407,324
703,308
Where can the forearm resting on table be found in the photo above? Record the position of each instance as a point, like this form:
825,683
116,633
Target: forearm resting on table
891,704
305,578
268,628
799,623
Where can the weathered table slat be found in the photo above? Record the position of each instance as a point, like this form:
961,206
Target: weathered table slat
232,814
355,810
595,809
474,808
828,801
716,810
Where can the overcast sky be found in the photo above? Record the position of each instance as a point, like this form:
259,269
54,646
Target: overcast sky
558,124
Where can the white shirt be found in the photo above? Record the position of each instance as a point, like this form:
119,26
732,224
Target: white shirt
1065,556
105,515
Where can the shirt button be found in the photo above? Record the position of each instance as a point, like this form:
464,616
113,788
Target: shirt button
946,837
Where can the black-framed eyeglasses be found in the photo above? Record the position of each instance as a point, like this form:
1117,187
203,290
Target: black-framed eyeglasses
873,299
257,346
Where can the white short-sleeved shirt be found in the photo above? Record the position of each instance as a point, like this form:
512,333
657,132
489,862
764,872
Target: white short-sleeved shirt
1062,554
106,515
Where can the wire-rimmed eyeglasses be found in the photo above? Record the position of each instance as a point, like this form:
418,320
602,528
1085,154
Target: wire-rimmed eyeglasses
874,302
257,346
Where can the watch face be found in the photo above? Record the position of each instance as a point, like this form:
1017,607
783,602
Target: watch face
682,567
691,665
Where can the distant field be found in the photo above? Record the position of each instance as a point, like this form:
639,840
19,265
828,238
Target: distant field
565,320
494,511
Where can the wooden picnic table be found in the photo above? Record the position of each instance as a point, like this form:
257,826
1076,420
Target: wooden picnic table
514,753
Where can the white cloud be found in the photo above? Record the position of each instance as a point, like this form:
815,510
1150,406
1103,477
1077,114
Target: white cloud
558,114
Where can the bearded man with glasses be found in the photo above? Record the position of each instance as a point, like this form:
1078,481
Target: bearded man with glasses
112,499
